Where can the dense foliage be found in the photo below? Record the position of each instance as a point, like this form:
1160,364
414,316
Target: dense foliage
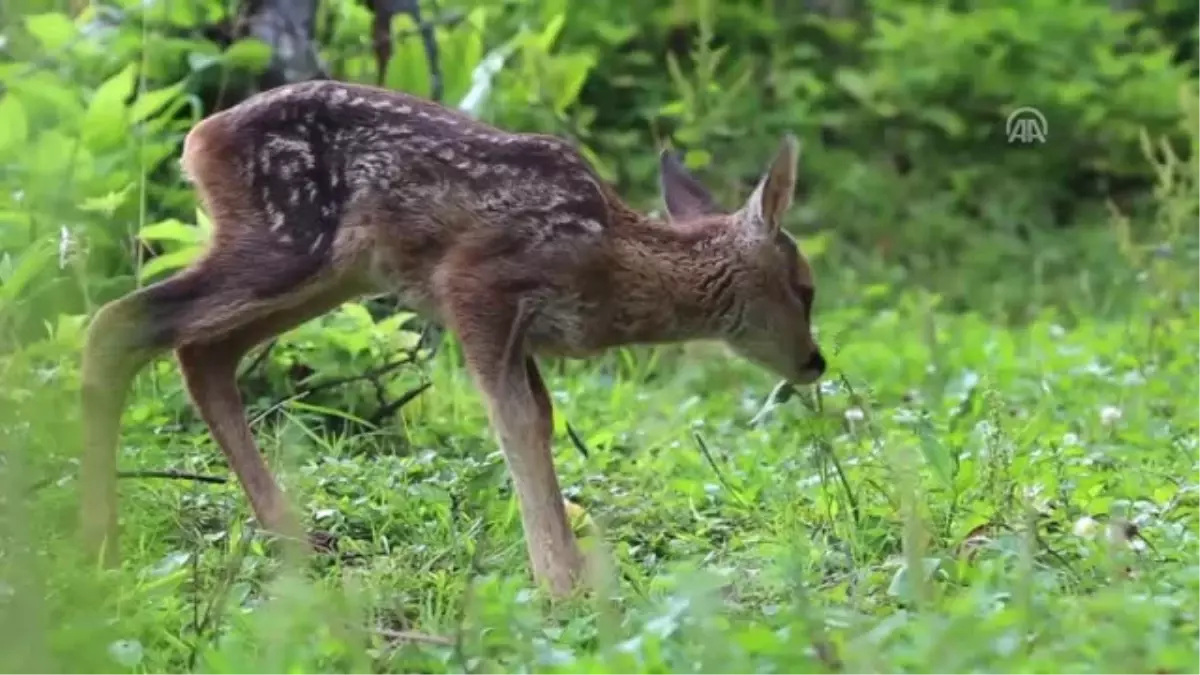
999,474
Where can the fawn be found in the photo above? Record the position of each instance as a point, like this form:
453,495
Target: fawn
322,192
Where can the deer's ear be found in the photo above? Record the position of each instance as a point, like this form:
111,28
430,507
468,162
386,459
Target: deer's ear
684,196
771,199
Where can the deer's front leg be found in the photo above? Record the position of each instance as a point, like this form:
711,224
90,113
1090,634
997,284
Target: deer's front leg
521,415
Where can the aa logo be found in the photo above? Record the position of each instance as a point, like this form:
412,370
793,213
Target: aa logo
1026,125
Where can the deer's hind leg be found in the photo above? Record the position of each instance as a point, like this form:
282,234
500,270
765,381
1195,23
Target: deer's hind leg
210,371
123,337
211,314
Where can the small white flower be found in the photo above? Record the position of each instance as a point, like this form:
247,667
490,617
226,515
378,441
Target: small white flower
1057,331
855,414
128,653
1070,438
66,244
1085,527
1034,494
1110,414
1132,378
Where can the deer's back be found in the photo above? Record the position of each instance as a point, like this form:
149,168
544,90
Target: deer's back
307,154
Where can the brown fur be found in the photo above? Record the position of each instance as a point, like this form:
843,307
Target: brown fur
323,191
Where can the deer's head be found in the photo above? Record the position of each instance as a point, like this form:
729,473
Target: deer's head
762,285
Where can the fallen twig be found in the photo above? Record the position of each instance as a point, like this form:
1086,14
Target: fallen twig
414,636
390,408
174,475
146,473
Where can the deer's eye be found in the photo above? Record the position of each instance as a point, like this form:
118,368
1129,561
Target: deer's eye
807,294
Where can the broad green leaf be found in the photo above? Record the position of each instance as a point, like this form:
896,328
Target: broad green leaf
150,102
69,329
462,51
167,262
29,263
814,246
937,455
15,225
172,230
854,83
106,120
178,14
14,125
545,41
576,69
395,321
948,121
697,159
203,222
357,313
408,69
52,29
51,154
45,96
549,10
169,116
109,202
676,108
248,53
199,61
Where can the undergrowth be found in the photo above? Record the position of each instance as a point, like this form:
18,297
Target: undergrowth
998,473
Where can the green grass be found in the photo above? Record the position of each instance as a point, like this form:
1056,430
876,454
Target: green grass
999,474
927,511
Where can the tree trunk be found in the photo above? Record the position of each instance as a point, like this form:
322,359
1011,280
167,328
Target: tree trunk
287,26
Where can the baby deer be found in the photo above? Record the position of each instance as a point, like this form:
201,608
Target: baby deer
323,191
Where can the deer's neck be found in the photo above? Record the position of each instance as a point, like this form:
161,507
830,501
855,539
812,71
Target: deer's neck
667,283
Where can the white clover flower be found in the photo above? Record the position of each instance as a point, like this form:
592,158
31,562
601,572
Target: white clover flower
1110,414
1085,527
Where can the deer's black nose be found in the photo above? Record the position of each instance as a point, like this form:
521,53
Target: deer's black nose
816,364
